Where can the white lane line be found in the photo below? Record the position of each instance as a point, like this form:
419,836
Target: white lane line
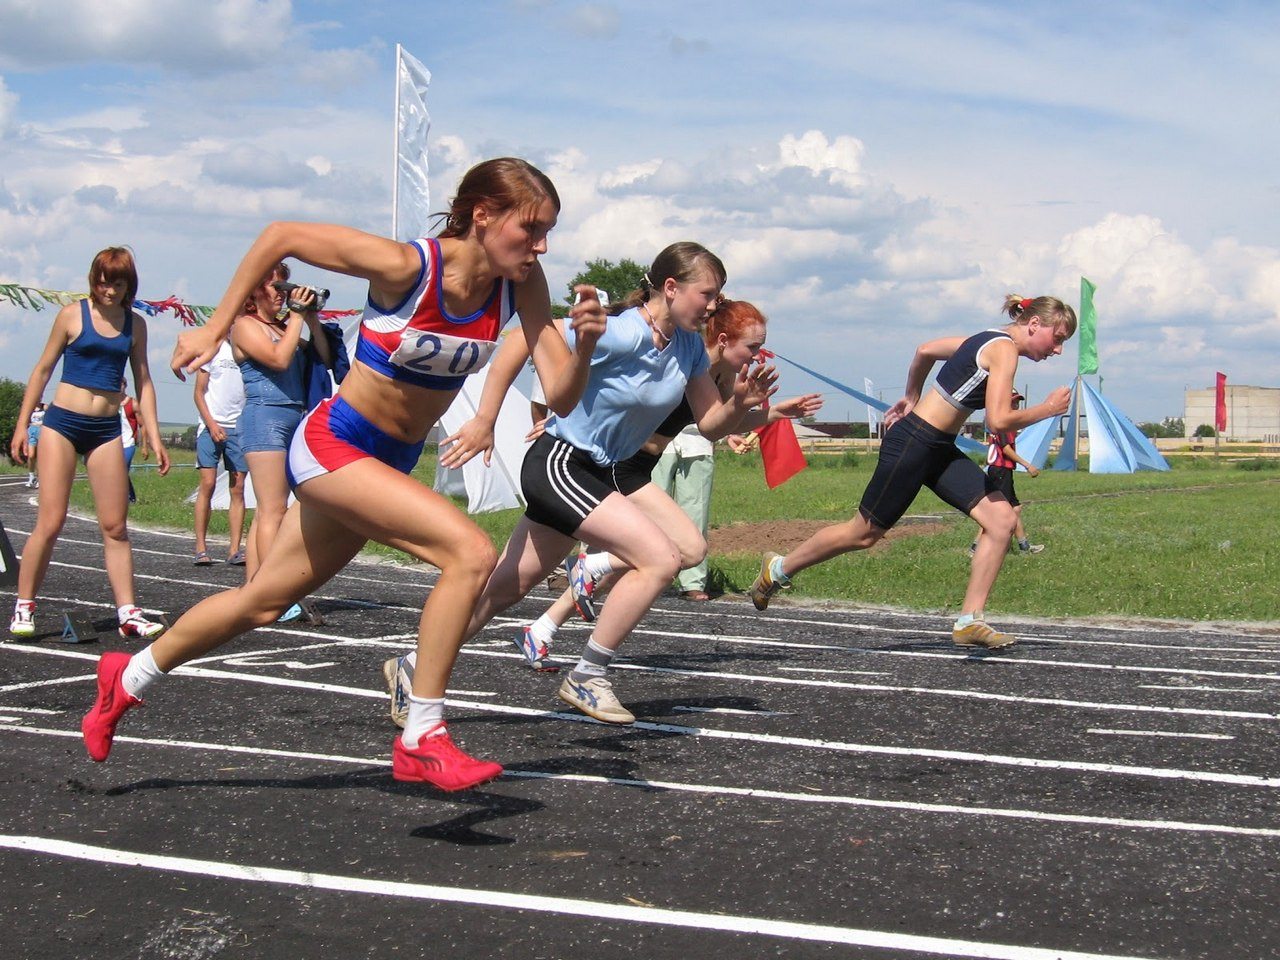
1163,733
942,809
10,719
562,906
1271,660
48,713
750,678
1156,686
733,712
860,673
761,738
53,681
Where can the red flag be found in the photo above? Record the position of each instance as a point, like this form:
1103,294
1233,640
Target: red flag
780,451
1220,405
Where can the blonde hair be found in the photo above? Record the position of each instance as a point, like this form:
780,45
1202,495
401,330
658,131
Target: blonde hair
1049,309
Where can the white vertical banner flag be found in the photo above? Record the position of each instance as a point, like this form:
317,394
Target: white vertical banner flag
873,415
411,201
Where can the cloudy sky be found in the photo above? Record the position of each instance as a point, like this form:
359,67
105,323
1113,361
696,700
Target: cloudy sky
873,174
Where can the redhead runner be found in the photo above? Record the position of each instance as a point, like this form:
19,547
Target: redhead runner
651,357
95,339
433,316
919,450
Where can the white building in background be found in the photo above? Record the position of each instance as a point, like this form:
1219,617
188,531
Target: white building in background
1253,413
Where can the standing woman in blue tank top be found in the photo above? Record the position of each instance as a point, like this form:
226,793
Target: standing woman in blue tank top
919,450
272,358
94,339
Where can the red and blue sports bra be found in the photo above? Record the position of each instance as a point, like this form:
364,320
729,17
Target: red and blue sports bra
419,342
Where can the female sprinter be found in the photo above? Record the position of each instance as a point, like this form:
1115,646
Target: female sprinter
434,312
919,451
649,357
94,339
733,336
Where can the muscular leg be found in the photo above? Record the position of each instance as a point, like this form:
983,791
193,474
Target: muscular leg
57,470
109,480
997,520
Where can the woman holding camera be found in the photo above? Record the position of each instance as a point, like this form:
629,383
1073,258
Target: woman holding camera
272,358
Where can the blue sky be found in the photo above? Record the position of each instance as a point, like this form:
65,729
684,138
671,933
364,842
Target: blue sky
873,174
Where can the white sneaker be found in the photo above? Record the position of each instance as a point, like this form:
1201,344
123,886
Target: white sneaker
398,672
595,697
23,623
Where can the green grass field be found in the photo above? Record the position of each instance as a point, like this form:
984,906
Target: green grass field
1197,543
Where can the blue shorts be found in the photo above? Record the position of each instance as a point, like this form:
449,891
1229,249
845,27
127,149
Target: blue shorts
210,451
266,427
33,436
335,434
85,433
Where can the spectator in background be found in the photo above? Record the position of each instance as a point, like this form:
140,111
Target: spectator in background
130,434
1002,463
33,438
219,397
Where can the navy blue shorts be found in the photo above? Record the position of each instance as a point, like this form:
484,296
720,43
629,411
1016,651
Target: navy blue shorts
85,433
914,454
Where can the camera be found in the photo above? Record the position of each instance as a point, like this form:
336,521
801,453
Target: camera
287,288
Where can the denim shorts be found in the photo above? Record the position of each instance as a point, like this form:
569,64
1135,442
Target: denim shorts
267,427
210,451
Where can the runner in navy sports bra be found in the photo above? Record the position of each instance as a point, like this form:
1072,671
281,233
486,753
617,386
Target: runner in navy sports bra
918,450
94,339
434,310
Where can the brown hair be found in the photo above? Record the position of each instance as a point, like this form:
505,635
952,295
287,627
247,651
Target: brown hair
1049,309
502,184
682,262
279,272
732,318
112,264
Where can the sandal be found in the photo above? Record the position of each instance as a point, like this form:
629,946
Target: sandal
695,596
202,559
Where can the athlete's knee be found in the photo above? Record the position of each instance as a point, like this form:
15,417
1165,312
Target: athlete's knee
856,534
473,557
117,530
692,554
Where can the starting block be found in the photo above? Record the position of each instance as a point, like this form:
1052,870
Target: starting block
76,630
8,561
309,614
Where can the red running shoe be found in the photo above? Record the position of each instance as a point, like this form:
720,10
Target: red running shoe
99,724
438,761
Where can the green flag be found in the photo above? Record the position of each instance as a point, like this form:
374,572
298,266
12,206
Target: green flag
1088,329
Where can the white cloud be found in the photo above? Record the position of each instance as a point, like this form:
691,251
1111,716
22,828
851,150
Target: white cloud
8,108
199,38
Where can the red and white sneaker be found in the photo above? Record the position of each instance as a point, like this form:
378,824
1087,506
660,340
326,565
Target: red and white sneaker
438,761
135,625
99,724
538,655
582,587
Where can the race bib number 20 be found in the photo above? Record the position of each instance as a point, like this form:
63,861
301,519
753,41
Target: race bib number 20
440,355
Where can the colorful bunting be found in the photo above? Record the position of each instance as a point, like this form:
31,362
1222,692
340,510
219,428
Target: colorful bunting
191,315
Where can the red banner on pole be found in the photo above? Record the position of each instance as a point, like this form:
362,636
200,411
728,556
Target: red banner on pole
1220,405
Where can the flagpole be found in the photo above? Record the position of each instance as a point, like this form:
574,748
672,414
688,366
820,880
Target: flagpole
395,155
1078,417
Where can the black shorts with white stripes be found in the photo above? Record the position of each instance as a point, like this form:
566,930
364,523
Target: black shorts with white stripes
562,484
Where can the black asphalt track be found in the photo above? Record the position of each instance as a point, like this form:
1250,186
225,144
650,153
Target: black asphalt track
809,782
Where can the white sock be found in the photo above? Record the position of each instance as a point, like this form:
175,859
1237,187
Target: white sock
544,629
965,619
127,611
24,605
775,571
597,565
141,673
424,714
